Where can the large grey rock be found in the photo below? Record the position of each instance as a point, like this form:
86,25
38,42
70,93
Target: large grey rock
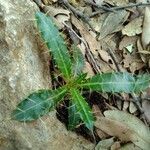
24,68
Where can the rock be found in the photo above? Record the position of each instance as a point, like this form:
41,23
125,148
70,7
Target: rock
24,68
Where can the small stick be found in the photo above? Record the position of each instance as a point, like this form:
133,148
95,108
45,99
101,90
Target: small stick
114,59
131,5
88,54
99,6
78,13
113,9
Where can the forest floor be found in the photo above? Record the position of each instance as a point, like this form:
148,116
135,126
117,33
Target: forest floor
113,36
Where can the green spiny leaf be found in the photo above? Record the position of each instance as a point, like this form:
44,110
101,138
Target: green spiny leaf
78,60
82,108
74,117
142,82
80,78
117,82
37,104
55,43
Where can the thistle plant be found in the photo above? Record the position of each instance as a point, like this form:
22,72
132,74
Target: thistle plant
42,101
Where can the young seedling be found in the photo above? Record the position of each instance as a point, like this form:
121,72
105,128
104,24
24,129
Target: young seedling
41,102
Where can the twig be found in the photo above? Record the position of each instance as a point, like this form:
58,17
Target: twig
96,13
39,3
78,13
88,54
99,6
113,9
130,6
112,55
136,101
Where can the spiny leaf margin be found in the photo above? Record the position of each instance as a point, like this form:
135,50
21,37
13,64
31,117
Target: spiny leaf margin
83,108
37,104
117,82
55,43
73,116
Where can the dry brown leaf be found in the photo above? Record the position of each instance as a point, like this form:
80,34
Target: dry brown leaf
101,134
146,109
59,15
109,44
140,50
104,55
104,144
88,69
82,48
77,3
3,141
144,52
126,127
132,62
119,104
115,146
97,112
74,2
97,22
127,41
99,2
128,59
113,22
117,2
125,105
47,2
136,65
104,66
94,45
114,128
132,108
133,27
129,146
146,29
86,10
141,9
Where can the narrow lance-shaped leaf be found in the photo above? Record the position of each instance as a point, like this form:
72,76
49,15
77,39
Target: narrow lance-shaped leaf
37,104
73,116
55,43
117,82
82,108
78,61
142,82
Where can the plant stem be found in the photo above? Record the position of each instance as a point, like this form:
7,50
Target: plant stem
78,13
